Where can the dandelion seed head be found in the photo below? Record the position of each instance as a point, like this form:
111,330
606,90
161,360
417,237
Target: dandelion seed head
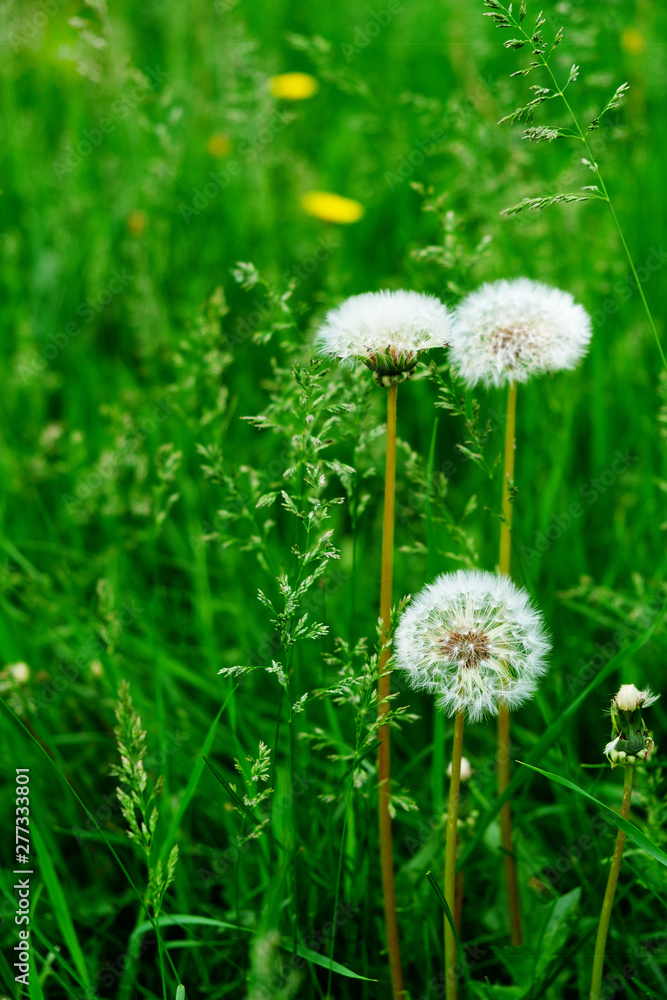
388,331
509,331
475,641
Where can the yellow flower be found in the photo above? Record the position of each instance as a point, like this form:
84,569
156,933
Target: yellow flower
331,207
632,42
293,86
219,144
136,222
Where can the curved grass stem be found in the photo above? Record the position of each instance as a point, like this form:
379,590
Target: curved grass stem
604,194
509,861
339,872
608,902
384,688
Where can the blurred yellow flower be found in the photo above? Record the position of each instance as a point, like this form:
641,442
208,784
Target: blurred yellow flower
293,86
136,222
632,42
331,207
219,144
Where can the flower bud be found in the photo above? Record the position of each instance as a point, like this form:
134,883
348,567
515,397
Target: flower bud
628,697
466,769
631,740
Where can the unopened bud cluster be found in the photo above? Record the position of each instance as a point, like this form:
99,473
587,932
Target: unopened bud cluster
631,741
391,366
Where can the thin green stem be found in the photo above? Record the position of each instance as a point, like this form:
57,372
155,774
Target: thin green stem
605,194
450,856
291,737
608,902
353,582
338,877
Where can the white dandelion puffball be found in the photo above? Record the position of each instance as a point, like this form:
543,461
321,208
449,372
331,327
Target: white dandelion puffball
386,330
475,640
629,698
508,331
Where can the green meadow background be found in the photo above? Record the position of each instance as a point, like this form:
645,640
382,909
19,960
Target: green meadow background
143,158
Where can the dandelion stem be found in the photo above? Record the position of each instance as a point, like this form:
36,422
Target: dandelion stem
608,902
384,687
508,482
509,861
450,855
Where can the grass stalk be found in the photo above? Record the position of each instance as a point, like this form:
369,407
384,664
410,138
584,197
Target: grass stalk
608,902
603,194
339,871
509,861
450,855
384,688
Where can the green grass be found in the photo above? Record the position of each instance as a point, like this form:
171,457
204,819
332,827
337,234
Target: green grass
89,412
